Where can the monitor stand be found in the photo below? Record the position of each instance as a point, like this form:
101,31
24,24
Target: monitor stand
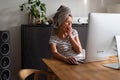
115,65
112,65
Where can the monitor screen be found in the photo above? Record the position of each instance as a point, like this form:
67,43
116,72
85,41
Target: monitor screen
102,27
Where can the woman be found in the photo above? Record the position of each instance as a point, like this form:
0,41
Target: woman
64,41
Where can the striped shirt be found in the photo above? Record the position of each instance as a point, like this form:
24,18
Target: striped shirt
64,46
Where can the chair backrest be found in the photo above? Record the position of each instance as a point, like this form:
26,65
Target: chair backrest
24,73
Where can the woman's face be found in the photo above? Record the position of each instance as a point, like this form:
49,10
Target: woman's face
67,24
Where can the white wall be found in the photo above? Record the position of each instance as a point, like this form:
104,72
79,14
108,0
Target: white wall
11,18
114,8
79,7
100,5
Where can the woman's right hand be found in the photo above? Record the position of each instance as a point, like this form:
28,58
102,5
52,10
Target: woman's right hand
71,60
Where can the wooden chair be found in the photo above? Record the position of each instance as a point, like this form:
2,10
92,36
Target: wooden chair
24,73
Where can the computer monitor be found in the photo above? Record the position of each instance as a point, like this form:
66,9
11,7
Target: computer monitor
100,44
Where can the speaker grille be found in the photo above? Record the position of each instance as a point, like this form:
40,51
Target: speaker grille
5,75
4,48
5,62
4,36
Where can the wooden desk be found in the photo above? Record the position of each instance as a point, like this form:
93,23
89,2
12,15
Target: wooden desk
87,71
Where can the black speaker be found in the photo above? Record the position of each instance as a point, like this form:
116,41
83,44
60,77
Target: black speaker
5,60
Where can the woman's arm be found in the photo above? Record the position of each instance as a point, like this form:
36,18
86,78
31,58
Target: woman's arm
74,41
57,55
76,44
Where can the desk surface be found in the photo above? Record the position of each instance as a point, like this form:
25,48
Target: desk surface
87,71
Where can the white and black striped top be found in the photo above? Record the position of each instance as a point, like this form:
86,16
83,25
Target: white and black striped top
64,46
